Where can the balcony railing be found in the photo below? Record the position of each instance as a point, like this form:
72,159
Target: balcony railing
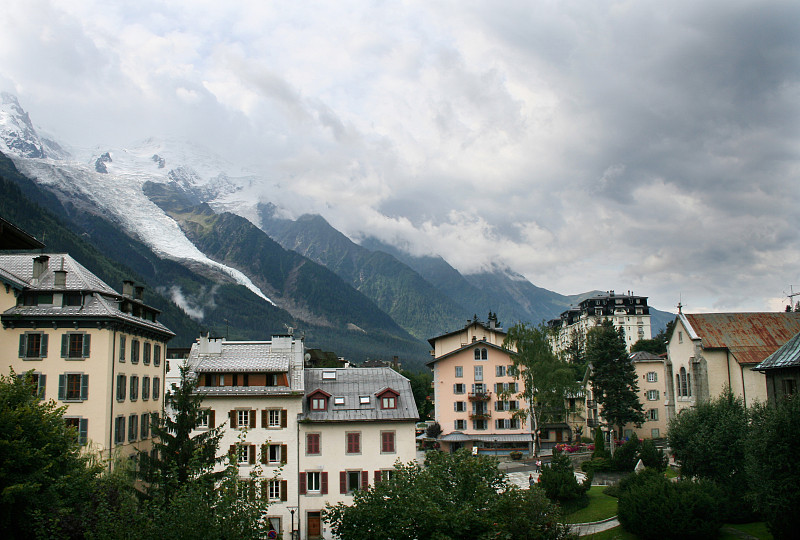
483,415
592,422
591,404
479,396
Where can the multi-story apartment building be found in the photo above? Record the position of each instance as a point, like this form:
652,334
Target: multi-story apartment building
627,311
475,391
310,436
96,351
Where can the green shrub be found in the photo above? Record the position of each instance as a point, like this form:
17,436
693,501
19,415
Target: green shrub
627,455
600,445
652,456
559,483
598,464
652,507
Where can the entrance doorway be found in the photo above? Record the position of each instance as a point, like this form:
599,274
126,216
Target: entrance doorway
314,527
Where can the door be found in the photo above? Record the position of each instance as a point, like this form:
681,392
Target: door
314,525
559,436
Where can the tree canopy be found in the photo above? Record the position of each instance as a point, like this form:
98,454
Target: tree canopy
613,376
547,380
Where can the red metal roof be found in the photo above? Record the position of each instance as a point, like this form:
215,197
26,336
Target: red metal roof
750,337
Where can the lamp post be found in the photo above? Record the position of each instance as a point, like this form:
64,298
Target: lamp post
291,531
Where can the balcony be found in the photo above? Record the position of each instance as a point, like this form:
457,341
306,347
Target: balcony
592,422
480,415
591,404
479,396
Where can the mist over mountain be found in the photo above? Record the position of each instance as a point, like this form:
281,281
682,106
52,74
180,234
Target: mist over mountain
185,221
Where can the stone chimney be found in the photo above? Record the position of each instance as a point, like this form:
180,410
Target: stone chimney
127,288
40,265
60,277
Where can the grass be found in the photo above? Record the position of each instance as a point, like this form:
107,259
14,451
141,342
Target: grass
601,506
757,529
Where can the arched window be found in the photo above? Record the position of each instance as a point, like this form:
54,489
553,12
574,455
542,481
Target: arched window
477,354
684,384
689,384
484,354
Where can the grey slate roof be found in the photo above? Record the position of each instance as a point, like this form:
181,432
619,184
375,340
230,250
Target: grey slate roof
78,277
788,355
644,356
353,383
241,357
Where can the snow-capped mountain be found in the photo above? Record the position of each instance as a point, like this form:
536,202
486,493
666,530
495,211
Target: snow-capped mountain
18,136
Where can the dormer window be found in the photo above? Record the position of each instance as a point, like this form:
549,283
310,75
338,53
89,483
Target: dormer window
318,401
363,400
388,398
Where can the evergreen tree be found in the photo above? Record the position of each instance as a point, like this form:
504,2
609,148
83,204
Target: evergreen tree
613,376
178,456
547,380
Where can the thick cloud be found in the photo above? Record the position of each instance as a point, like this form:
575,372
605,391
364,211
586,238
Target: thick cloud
628,145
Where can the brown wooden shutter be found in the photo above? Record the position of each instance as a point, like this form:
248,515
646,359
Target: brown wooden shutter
342,482
232,451
264,418
284,418
284,490
252,454
377,476
252,419
233,419
264,490
364,479
324,483
302,483
264,453
284,453
211,419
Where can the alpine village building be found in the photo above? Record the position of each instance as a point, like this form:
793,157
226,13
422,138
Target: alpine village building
303,437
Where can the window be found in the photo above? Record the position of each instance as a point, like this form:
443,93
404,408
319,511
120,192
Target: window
459,371
459,388
500,371
652,414
119,430
683,383
314,482
478,373
73,387
37,382
478,388
512,371
655,433
480,425
387,442
275,491
460,424
121,348
680,337
156,388
276,454
507,423
122,385
145,425
274,418
133,427
156,355
328,375
243,454
339,400
652,395
388,402
145,387
459,406
477,354
353,442
75,345
312,444
353,481
363,400
203,418
134,387
33,345
146,356
789,387
319,404
81,426
134,351
243,418
652,376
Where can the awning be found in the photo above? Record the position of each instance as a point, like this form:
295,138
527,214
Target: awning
457,436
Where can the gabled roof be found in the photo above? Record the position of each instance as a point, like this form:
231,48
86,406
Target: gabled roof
474,323
478,343
644,356
242,357
750,337
787,356
354,383
78,278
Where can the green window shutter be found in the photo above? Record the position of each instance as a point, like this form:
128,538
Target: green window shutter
83,430
22,342
42,384
84,387
44,346
64,345
86,341
62,383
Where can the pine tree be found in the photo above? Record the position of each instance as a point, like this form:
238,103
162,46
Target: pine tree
613,376
178,456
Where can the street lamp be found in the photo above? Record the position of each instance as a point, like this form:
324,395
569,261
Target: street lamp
291,511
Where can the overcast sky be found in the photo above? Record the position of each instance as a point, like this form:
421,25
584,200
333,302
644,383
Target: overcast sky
643,145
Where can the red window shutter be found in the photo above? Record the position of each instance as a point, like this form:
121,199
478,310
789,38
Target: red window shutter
252,454
377,476
233,419
284,418
211,419
264,453
232,450
342,482
284,490
264,418
324,483
252,416
284,453
302,483
364,479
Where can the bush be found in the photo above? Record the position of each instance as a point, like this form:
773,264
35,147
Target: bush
627,455
598,464
652,507
600,445
559,483
652,456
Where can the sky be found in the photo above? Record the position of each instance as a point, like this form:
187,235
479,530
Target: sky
631,145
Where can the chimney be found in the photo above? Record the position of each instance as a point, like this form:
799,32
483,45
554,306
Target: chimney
127,288
61,276
40,264
138,292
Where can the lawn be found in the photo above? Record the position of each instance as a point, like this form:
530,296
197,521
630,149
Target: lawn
759,530
601,506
